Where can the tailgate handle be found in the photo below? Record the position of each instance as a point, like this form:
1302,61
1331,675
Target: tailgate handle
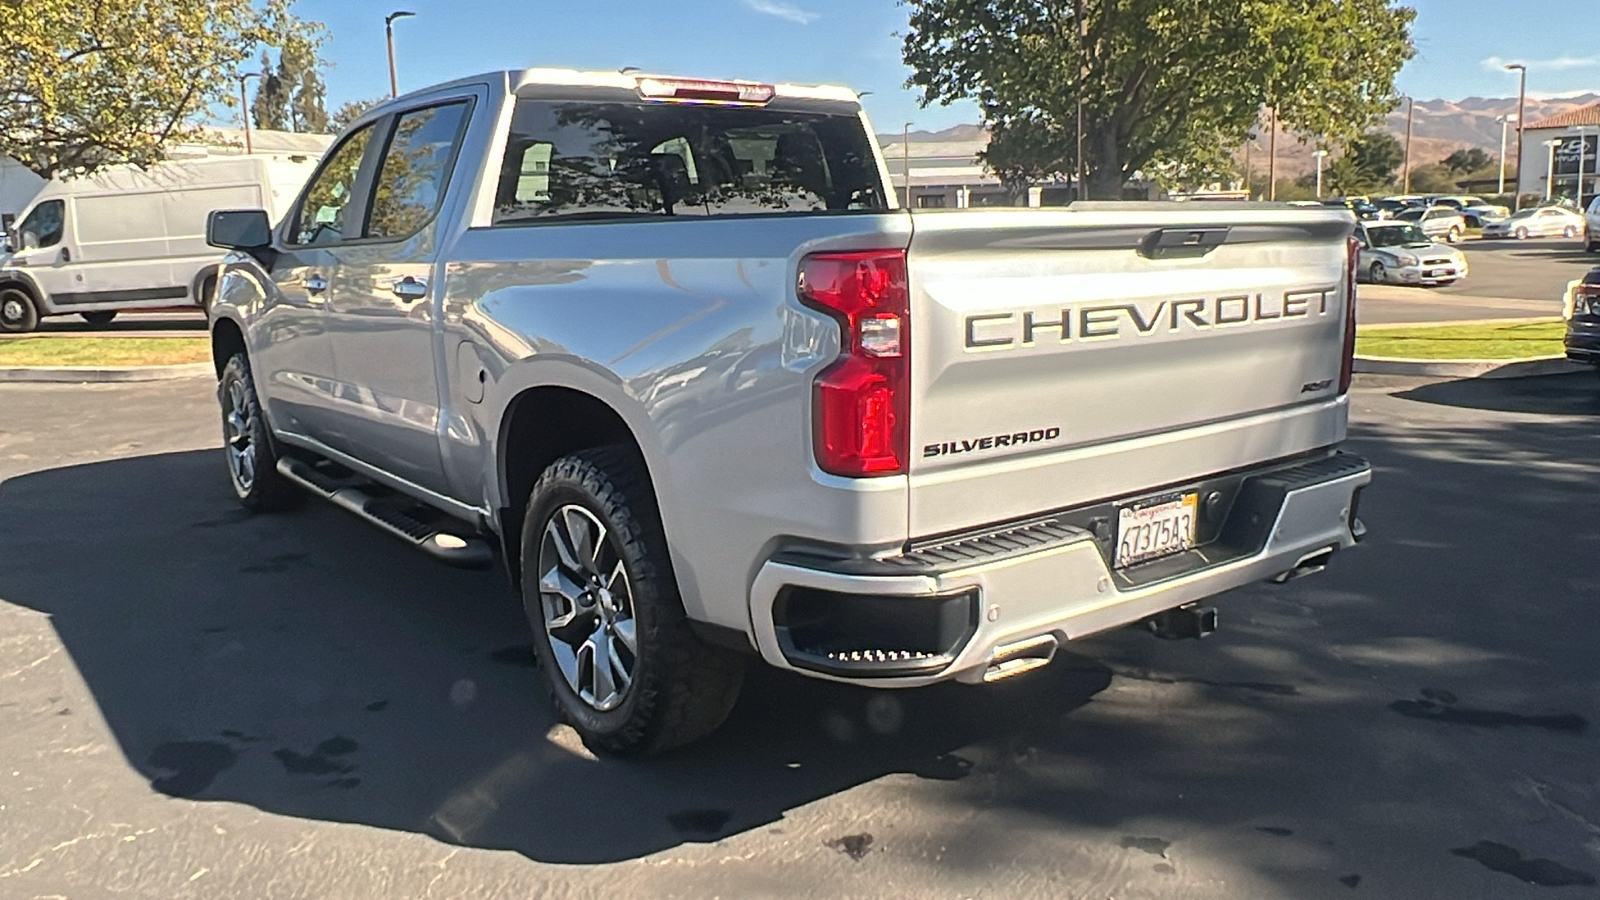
1172,243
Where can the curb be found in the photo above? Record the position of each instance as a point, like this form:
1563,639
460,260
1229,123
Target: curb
1469,368
109,375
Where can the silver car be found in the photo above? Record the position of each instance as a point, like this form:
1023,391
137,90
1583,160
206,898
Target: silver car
1398,252
1543,221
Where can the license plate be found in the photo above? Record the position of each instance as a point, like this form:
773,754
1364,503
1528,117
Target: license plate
1155,530
1437,273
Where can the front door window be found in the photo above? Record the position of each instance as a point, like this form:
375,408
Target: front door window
44,226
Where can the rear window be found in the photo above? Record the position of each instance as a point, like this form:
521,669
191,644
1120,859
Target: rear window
575,161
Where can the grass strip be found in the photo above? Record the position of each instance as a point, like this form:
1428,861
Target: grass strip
1463,341
45,352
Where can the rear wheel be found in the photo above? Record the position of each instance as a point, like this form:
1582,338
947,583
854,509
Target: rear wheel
252,457
18,314
208,292
1569,232
614,645
99,319
1454,236
1521,234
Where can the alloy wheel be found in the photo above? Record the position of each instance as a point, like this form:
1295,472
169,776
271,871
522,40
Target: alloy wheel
238,425
587,602
11,310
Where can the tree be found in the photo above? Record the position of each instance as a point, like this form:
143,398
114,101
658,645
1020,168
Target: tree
1167,86
1468,160
271,107
1433,178
86,85
292,96
351,111
1368,165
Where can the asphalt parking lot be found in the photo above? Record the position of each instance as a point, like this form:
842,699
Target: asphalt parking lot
1508,279
197,702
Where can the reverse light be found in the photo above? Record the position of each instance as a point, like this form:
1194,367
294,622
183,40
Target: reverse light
861,406
694,90
1347,366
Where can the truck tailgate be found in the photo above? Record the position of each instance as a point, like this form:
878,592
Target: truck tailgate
1063,357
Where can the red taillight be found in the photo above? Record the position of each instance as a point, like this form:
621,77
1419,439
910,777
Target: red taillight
703,91
1348,366
862,402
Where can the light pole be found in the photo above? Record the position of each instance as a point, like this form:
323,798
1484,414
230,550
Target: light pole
1411,105
905,159
1504,121
1522,99
1583,147
244,107
388,33
1550,177
1320,155
1272,156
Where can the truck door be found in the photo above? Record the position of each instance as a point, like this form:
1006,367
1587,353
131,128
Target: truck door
381,315
45,252
293,361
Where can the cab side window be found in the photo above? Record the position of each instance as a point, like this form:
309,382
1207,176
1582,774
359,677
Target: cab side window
44,226
416,170
322,216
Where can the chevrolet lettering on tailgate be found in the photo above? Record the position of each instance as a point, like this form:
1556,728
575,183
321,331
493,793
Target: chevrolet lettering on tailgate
994,331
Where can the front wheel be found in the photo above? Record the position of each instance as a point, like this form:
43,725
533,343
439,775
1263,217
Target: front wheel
252,457
1380,275
99,319
1454,236
18,314
1569,232
618,657
1521,234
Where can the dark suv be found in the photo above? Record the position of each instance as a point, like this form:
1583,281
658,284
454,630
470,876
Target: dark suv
1583,326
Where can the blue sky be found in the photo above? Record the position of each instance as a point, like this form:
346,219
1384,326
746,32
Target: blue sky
1461,45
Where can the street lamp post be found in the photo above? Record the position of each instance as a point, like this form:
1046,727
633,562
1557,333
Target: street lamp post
244,109
1411,105
1550,177
905,159
1522,100
388,33
1504,121
1583,147
1320,155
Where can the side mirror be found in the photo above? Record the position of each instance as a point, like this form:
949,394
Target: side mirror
239,229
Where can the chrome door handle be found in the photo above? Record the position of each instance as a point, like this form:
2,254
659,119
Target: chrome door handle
409,289
316,284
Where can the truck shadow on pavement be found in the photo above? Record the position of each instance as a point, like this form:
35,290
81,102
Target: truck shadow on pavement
307,665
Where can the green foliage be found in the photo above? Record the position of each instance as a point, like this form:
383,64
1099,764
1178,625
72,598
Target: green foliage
1368,166
1166,86
1468,161
1433,178
291,96
86,85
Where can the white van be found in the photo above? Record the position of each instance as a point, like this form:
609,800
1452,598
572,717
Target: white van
130,239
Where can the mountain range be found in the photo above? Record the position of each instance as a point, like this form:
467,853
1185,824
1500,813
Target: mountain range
1438,128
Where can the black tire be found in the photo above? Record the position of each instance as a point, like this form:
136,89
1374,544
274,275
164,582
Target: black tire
264,489
1569,232
680,688
1454,236
18,313
1378,274
1521,234
99,319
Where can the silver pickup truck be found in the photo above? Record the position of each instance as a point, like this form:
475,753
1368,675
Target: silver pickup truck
668,348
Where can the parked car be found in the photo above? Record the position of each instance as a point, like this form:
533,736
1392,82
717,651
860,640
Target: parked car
1394,252
1454,201
669,350
127,238
1541,221
1583,320
1361,206
1482,215
1591,241
1436,222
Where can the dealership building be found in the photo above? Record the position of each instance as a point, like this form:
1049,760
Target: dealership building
1559,150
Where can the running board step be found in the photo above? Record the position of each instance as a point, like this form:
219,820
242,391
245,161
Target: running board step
448,548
